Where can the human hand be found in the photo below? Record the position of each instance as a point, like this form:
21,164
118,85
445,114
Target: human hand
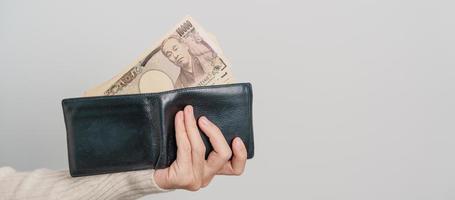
190,170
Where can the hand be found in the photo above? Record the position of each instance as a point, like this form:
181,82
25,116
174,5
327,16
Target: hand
190,170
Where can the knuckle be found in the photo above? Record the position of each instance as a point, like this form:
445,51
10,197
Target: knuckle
205,184
194,189
217,130
199,149
242,156
225,155
186,148
206,180
194,186
192,128
213,129
238,172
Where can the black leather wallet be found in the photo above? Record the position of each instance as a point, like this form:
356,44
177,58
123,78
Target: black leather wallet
109,134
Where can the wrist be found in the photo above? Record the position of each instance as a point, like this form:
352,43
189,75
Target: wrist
160,180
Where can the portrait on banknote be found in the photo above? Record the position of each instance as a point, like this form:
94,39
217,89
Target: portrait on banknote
186,57
194,60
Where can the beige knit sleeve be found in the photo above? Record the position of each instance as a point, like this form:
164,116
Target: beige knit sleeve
50,184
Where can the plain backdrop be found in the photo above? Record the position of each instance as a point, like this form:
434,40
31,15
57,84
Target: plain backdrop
352,99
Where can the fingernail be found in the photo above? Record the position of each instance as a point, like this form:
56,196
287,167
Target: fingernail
189,109
205,121
239,141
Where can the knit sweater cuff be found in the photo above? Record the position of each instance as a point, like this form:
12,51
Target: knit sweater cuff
137,184
50,184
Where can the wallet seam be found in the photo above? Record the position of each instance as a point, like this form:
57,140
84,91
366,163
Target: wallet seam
156,93
69,147
250,110
161,134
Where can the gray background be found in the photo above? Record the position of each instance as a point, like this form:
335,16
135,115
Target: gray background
353,99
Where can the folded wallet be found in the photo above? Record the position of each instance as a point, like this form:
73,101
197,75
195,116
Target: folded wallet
109,134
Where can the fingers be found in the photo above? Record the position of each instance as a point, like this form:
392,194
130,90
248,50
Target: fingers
197,145
237,164
190,170
221,151
183,143
240,155
166,178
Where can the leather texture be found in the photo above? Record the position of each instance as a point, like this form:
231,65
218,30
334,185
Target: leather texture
109,134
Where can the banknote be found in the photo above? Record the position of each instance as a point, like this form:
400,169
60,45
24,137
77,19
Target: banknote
187,56
93,91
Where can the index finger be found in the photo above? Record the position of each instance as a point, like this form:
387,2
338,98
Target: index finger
183,143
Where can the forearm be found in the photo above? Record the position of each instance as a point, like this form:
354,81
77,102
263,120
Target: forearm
50,184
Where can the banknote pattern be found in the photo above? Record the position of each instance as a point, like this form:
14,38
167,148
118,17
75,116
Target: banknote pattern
187,56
